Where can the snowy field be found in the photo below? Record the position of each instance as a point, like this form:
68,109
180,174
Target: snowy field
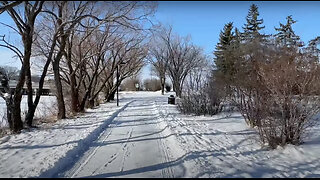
146,137
46,107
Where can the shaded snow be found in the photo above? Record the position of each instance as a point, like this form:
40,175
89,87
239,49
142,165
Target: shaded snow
146,137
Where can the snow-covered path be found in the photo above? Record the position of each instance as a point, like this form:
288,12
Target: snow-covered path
147,137
131,146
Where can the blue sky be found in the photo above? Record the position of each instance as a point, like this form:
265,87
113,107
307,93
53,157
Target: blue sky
204,20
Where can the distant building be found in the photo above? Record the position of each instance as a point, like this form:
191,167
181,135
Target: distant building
46,90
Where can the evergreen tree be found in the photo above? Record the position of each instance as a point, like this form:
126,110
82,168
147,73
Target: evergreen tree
254,25
237,36
286,36
226,37
312,47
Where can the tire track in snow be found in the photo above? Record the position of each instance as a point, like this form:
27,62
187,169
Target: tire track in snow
125,150
112,158
163,171
199,145
115,155
167,118
166,172
207,145
90,156
200,142
64,166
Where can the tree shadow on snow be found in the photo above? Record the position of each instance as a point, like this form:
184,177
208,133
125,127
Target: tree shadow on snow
175,163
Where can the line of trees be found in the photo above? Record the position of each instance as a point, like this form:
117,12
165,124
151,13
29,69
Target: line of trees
80,44
272,79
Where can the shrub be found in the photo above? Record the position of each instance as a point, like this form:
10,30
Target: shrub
152,84
205,101
289,104
280,97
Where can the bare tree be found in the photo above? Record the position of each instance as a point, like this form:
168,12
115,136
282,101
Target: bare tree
58,23
25,28
86,17
9,72
152,84
7,5
183,58
6,94
84,63
131,53
130,83
176,56
159,56
63,17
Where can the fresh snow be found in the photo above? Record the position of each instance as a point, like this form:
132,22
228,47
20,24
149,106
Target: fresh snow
147,137
47,107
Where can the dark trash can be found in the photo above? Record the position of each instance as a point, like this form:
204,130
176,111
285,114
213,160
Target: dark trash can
171,99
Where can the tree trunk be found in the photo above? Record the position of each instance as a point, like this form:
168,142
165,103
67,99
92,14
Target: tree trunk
30,115
31,108
59,94
9,112
56,64
111,96
75,103
177,88
162,88
26,28
91,103
17,124
162,85
173,87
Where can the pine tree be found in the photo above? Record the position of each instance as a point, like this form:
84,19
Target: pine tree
313,47
226,37
236,41
254,25
286,36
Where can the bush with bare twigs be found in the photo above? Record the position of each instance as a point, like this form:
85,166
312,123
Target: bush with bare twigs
202,95
281,99
291,101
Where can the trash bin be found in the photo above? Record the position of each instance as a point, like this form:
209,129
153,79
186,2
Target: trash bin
171,99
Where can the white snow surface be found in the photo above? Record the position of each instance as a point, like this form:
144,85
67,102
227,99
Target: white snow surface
47,107
147,137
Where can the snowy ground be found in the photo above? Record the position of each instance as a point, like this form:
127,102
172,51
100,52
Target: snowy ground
146,137
46,107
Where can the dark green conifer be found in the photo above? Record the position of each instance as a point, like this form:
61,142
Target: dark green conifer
226,37
254,25
286,36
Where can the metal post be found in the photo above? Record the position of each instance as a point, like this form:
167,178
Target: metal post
117,85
